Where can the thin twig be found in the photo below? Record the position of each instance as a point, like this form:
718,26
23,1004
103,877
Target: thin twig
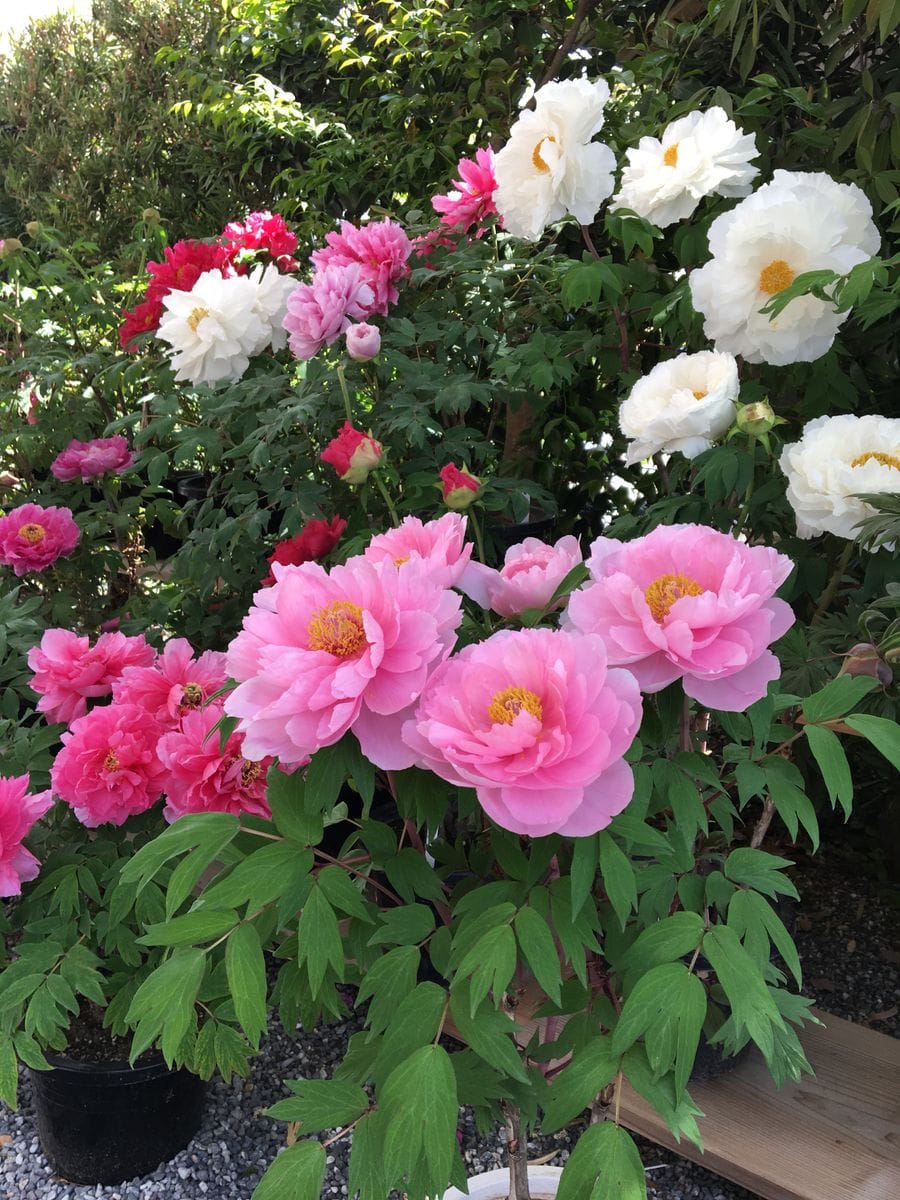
565,47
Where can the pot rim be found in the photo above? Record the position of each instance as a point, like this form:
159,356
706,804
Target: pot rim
494,1185
117,1066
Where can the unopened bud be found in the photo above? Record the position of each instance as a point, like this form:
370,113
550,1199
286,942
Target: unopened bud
9,246
33,228
756,419
151,216
864,659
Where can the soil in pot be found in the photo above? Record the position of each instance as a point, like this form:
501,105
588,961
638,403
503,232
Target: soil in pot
100,1120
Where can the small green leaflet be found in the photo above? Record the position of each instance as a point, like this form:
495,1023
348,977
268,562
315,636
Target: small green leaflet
296,1174
245,969
667,1006
420,1107
319,1104
591,1069
618,877
605,1165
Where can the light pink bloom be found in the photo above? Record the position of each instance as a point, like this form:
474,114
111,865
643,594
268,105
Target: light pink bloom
203,778
88,460
32,538
174,684
363,341
108,769
69,671
473,199
534,721
320,311
440,544
323,652
380,248
531,573
18,812
687,602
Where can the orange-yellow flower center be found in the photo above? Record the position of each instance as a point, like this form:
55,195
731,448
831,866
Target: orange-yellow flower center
537,158
508,703
191,695
337,629
699,395
398,562
250,771
110,763
663,592
879,456
197,315
32,533
775,277
670,158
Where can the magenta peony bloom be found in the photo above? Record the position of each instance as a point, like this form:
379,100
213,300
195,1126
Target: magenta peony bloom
353,454
108,769
264,231
203,778
380,249
458,487
323,652
88,460
18,812
174,684
320,311
363,341
531,573
536,724
32,538
688,602
473,199
440,544
68,671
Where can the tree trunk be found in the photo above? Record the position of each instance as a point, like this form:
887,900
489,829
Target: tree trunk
517,1148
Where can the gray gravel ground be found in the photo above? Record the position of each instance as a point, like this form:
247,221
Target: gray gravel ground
850,945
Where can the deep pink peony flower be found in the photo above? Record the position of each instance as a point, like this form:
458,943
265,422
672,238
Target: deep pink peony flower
473,199
32,538
363,341
531,573
203,778
536,724
440,544
380,249
143,318
459,488
688,602
316,539
88,460
318,312
174,684
68,671
18,813
323,652
264,231
353,454
108,769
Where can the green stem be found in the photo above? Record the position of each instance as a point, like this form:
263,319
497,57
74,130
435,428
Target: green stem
833,584
745,509
379,483
479,540
343,382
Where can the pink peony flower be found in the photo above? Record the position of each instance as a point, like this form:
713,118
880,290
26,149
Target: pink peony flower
203,778
535,722
34,403
108,769
440,544
174,684
88,460
363,341
32,537
380,249
68,671
18,813
352,454
531,573
264,231
459,488
473,199
323,652
320,311
688,602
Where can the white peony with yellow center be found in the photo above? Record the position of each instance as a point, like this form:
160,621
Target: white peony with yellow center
801,221
214,328
698,155
837,459
550,167
272,291
683,404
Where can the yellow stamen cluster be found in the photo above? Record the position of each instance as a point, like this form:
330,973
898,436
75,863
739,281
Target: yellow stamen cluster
776,277
337,629
191,695
670,158
508,703
196,317
250,771
663,592
537,158
110,763
32,533
879,456
699,395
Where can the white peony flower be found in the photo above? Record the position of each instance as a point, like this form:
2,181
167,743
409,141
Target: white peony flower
272,291
801,221
682,404
699,154
550,167
836,459
214,328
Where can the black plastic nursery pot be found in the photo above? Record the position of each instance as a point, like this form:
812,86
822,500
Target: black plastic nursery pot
107,1122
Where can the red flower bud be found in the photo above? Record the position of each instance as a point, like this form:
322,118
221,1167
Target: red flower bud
352,454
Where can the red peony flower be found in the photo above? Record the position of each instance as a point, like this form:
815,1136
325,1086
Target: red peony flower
314,541
183,265
32,537
264,231
143,318
352,454
459,487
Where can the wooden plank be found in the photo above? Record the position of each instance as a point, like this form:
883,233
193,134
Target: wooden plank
833,1137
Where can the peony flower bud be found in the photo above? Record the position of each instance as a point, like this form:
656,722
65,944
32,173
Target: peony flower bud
151,216
756,419
864,659
9,246
33,228
363,341
353,454
459,487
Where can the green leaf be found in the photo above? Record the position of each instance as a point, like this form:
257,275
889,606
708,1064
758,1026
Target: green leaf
285,796
320,1104
748,910
9,1072
537,945
752,1007
667,1006
663,942
677,1110
415,1022
403,926
201,926
341,893
760,870
488,1033
829,754
681,794
490,963
837,697
367,1176
188,871
420,1106
591,1069
388,982
269,872
410,876
882,733
164,1003
605,1165
585,859
296,1174
618,877
792,804
195,831
319,940
245,969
